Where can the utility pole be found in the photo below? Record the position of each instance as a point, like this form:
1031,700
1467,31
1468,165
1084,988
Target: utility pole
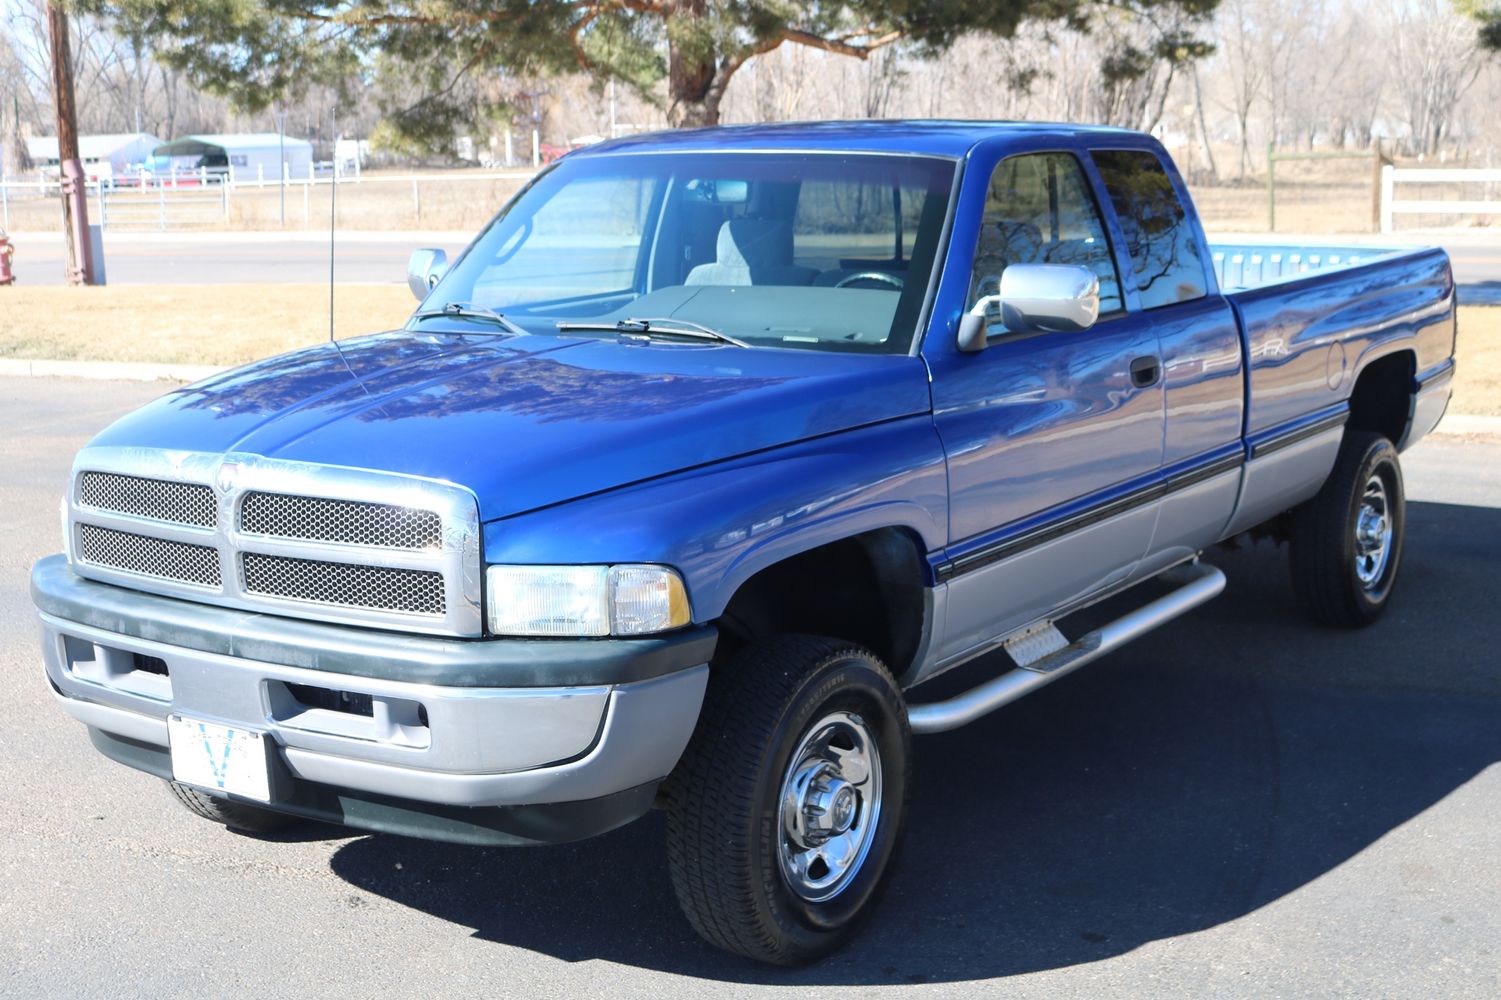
72,181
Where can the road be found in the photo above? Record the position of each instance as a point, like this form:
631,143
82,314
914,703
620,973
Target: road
216,258
1238,805
237,258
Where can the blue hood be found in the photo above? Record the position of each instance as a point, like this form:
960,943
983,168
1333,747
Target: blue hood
526,421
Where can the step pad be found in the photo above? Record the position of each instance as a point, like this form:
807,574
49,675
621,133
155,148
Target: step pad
1033,643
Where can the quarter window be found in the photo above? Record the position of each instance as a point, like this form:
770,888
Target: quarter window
1164,253
1039,210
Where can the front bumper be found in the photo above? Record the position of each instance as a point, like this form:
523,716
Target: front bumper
413,721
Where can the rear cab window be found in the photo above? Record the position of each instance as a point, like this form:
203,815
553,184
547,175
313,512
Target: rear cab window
1165,261
1039,210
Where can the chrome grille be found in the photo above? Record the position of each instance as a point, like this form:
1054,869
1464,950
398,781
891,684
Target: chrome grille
326,543
159,499
378,588
353,522
159,557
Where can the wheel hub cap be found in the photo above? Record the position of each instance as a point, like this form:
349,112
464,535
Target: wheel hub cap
830,806
1373,534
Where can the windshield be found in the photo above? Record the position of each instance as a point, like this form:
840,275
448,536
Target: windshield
802,251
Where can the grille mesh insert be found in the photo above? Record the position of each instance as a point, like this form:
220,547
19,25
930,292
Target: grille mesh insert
159,499
159,557
379,588
355,522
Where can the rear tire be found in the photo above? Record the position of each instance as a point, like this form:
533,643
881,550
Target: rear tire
1346,543
786,809
235,815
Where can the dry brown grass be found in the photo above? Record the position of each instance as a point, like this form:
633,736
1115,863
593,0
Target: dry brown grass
1477,375
187,324
232,324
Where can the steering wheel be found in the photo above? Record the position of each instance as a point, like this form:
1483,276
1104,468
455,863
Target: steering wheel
881,277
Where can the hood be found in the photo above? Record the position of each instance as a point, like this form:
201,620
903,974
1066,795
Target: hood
526,421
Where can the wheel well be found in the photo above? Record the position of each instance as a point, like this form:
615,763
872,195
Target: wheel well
1382,398
868,589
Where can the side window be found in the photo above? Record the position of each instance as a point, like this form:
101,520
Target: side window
1039,210
1164,253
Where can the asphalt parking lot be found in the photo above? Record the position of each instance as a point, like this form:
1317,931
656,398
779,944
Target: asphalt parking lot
1239,805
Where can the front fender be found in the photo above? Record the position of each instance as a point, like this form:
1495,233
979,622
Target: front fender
722,523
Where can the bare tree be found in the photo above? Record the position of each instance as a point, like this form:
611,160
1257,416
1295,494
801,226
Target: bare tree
1435,60
1244,68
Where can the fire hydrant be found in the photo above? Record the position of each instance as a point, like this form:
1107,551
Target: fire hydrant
7,251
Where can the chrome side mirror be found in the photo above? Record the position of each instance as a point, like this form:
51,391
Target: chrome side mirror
1057,298
424,269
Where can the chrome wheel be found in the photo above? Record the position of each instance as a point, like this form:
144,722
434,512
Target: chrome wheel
1373,534
830,806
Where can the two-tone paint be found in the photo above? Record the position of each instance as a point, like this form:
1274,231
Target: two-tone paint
1030,478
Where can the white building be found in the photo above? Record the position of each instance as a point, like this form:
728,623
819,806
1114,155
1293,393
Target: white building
246,156
103,156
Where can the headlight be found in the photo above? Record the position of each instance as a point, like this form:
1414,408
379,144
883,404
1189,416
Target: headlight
584,600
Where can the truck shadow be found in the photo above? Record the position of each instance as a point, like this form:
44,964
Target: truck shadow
1203,773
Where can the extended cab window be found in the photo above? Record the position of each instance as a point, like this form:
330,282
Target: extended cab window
1164,254
1039,211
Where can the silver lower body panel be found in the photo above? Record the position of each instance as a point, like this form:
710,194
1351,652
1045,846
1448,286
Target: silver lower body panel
460,746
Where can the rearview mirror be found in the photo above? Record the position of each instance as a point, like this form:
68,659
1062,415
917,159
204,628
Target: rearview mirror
1057,298
719,192
424,268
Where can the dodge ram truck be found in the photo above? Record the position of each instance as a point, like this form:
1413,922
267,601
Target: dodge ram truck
705,455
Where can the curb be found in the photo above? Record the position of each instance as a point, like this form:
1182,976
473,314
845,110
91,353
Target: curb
1466,425
130,371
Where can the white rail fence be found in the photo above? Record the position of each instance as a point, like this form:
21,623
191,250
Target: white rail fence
1463,178
205,197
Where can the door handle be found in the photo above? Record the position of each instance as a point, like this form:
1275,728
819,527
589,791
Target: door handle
1145,371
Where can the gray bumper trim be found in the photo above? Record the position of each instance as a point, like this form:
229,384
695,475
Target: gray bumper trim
363,652
469,747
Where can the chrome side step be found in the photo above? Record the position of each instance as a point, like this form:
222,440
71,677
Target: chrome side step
1200,583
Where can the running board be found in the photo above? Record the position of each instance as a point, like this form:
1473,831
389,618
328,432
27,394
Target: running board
1200,583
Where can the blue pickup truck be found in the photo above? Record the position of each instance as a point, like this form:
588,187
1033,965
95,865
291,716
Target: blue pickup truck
704,456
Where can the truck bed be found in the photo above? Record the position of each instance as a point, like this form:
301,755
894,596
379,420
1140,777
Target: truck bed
1314,315
1240,266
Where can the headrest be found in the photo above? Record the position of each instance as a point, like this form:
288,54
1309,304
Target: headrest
754,243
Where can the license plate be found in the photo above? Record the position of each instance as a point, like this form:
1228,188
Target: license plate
220,758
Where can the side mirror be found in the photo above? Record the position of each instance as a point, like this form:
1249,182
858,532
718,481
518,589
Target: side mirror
1058,298
424,269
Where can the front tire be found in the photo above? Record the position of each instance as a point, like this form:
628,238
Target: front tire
1346,543
235,815
787,806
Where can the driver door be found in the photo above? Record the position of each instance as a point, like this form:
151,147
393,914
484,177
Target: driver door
1053,440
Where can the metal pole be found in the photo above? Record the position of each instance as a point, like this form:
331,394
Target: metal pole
1272,188
1388,189
281,152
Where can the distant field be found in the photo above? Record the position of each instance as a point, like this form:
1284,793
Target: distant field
1317,197
233,324
383,200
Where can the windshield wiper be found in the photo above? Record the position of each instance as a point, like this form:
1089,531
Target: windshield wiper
655,327
468,310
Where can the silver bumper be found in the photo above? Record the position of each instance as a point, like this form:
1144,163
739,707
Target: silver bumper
449,745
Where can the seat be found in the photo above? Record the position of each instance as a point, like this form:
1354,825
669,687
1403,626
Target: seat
752,252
